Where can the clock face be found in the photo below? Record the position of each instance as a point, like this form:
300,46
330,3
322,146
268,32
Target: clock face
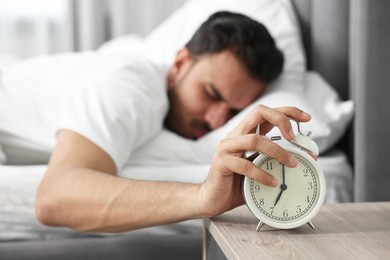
295,201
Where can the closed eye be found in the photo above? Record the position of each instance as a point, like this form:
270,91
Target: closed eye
213,93
212,96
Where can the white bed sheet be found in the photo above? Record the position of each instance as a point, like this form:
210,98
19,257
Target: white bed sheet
18,185
337,170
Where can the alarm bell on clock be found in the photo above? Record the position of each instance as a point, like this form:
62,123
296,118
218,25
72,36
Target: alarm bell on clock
305,142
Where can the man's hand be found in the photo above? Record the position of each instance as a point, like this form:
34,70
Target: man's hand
222,189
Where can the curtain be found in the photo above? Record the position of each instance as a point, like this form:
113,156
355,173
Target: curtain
31,27
92,22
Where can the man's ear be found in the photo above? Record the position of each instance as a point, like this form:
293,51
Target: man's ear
181,61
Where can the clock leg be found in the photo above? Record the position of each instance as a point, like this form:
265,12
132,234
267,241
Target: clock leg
311,224
259,226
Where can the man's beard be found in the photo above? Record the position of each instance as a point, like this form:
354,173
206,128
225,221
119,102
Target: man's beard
173,117
175,121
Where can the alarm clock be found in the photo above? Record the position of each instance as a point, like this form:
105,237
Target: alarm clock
301,192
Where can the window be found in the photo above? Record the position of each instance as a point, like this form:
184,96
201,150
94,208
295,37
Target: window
32,27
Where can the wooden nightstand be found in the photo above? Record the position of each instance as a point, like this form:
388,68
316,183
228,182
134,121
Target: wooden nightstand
343,231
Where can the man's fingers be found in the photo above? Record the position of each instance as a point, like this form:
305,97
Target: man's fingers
295,113
254,118
243,138
254,142
263,115
247,168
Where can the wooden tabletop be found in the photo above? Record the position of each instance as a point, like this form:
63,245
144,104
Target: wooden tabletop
343,231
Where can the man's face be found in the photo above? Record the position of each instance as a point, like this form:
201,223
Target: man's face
206,92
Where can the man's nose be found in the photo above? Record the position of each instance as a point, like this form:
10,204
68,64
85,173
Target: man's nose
217,115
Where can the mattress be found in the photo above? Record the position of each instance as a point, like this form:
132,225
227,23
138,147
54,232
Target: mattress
18,186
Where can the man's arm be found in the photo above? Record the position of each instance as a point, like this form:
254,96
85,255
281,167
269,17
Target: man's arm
80,189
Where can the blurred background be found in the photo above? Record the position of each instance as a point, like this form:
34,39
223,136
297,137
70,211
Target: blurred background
32,27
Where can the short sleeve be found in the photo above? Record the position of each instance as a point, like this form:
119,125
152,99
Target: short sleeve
119,110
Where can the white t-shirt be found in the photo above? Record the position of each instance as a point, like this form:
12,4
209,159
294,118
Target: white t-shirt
117,101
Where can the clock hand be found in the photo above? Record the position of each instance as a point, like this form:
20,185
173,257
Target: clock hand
283,187
278,198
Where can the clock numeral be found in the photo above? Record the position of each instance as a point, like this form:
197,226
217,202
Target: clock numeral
272,209
257,188
307,199
305,173
261,201
310,185
269,165
285,213
299,209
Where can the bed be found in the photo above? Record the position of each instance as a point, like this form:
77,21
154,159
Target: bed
321,87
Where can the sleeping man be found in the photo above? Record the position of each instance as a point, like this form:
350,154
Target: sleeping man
85,114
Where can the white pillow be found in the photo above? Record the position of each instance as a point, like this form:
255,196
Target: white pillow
125,45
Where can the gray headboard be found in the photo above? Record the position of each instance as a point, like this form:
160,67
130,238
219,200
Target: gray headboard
348,43
324,26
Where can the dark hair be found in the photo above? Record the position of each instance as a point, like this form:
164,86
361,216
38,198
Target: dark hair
247,38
